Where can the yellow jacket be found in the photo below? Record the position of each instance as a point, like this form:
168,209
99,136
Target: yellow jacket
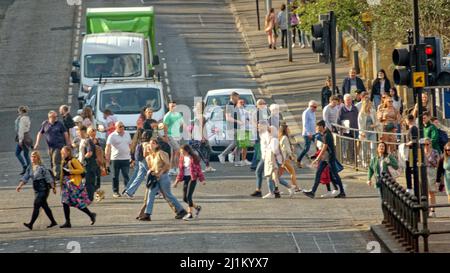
76,169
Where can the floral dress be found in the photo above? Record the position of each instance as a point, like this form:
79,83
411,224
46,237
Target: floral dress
71,194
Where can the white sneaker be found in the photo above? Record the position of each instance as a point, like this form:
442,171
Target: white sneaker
410,191
188,217
231,158
209,169
432,214
291,192
327,195
239,164
247,163
269,196
335,192
303,46
221,159
131,197
293,45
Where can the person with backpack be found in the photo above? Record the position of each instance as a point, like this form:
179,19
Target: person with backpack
101,162
73,191
42,183
430,131
443,136
87,158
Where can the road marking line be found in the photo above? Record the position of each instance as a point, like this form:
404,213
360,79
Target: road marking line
166,74
170,96
69,99
167,81
75,52
79,18
296,244
78,32
314,238
332,243
77,39
165,66
161,51
75,58
203,75
70,90
79,7
78,26
168,89
163,59
77,44
160,44
201,20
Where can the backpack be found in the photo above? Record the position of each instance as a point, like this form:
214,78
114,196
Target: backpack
443,138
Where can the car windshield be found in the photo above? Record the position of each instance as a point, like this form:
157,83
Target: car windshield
222,100
112,65
130,100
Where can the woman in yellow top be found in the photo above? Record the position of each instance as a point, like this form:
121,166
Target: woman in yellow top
73,191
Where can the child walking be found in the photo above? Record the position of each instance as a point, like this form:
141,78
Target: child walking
189,172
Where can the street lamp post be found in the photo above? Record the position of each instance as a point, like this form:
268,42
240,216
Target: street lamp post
289,30
257,14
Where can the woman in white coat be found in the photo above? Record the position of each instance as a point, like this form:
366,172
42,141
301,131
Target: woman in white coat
367,121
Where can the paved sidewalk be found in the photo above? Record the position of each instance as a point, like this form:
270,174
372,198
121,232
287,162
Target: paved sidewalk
300,81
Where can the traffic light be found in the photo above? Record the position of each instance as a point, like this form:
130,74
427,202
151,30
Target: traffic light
403,57
433,59
322,42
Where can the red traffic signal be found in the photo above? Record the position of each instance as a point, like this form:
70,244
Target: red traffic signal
429,50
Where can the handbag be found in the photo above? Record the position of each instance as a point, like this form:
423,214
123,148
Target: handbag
393,172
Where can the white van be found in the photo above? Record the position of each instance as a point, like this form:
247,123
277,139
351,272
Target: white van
112,56
126,100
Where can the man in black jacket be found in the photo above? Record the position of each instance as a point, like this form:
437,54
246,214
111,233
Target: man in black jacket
66,117
352,82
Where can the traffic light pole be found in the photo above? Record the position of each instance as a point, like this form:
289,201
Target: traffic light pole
333,50
418,91
289,30
257,14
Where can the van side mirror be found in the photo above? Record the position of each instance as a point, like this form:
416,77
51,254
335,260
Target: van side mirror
155,60
75,77
76,64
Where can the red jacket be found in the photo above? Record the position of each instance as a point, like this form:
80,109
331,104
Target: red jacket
196,170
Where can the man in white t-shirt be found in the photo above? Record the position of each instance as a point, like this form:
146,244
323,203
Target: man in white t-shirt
118,153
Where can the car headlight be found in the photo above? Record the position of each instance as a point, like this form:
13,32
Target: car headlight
86,88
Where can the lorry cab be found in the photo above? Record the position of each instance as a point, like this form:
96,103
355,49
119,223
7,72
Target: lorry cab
119,44
126,99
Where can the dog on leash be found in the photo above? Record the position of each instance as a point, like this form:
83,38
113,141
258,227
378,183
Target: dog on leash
99,195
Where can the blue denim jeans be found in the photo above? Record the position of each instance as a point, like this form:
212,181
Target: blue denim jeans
25,159
335,178
162,185
140,176
256,153
259,174
376,101
271,184
306,148
135,172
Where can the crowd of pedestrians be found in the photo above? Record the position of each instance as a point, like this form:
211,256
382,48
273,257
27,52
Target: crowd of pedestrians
365,126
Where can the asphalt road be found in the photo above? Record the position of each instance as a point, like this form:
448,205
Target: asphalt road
199,50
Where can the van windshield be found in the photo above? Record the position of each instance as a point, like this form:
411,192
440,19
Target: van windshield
112,65
130,100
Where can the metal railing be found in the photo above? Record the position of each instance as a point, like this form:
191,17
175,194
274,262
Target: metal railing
357,152
358,37
401,214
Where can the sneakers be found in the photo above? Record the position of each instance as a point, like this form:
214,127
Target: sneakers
297,189
128,196
291,191
221,159
239,164
247,163
310,194
93,218
277,193
231,158
256,194
145,218
181,214
209,169
29,226
52,225
198,209
303,46
293,45
340,195
335,192
116,195
327,195
188,217
432,214
66,225
269,196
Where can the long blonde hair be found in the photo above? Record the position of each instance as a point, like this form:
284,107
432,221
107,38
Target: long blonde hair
447,146
38,156
366,106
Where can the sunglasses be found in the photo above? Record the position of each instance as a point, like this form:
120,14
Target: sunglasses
447,150
427,144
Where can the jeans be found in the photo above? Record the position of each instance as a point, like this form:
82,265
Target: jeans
162,185
90,179
366,145
188,190
284,42
411,174
376,101
294,30
120,166
135,172
259,174
256,153
271,184
304,38
25,159
333,173
140,176
306,149
55,161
